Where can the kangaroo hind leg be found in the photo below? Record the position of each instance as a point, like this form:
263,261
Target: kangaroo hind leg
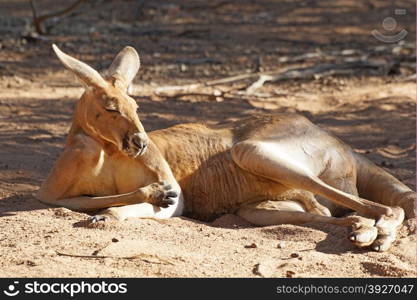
267,213
281,163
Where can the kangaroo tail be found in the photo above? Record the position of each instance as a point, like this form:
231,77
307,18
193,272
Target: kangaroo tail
377,185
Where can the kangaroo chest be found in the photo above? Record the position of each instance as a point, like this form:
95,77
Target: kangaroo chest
106,175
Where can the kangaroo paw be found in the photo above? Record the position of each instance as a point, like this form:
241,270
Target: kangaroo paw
387,229
383,242
97,218
389,224
364,236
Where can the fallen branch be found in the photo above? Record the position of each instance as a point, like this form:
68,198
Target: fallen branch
190,87
320,54
364,53
39,20
140,256
257,84
318,71
232,79
353,60
408,78
178,88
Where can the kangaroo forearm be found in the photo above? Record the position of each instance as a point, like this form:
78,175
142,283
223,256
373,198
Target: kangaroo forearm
87,203
158,193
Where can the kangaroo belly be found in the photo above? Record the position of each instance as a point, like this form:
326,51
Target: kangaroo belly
220,186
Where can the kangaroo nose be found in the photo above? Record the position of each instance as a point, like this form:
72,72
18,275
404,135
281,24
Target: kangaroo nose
140,140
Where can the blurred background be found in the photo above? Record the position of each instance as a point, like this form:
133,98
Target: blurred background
185,40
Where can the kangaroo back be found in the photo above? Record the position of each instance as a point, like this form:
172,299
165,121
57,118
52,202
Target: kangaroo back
377,185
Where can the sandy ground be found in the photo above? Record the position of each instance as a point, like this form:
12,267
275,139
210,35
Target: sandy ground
372,112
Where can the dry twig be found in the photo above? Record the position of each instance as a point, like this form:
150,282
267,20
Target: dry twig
352,61
39,20
142,256
322,70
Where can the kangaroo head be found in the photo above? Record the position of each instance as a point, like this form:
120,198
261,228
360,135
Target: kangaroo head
105,111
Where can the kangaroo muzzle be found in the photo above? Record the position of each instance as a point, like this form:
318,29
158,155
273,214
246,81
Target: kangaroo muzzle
135,144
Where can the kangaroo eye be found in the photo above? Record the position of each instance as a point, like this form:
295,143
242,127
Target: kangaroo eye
112,110
137,111
111,107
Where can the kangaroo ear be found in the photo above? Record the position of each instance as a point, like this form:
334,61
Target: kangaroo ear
124,67
84,72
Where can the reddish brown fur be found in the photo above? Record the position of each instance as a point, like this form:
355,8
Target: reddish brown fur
212,170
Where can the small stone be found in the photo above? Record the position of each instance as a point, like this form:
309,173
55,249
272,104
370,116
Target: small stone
114,240
256,270
253,245
30,263
61,212
295,255
281,245
290,274
264,269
